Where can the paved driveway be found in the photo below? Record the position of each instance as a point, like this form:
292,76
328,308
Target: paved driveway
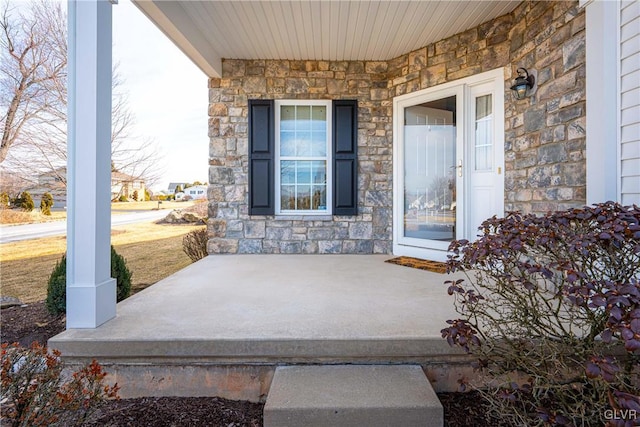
14,233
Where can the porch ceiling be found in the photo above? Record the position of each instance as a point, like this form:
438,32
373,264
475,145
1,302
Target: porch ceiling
207,31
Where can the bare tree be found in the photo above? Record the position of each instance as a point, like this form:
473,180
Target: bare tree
12,184
33,60
39,136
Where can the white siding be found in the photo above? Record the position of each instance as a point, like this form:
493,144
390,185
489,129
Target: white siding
629,102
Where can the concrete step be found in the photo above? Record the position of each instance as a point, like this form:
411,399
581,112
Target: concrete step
352,396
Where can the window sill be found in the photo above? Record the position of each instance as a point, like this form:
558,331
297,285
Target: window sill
304,217
281,217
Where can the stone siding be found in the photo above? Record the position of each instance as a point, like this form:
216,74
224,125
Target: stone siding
544,134
231,229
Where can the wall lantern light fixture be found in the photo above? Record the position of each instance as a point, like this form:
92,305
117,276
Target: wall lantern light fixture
525,83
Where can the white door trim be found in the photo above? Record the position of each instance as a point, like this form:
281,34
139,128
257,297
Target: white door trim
461,89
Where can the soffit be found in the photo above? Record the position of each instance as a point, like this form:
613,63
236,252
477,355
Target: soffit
208,31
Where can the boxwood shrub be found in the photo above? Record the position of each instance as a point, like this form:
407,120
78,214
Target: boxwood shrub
56,301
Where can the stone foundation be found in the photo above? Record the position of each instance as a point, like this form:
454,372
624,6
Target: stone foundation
238,382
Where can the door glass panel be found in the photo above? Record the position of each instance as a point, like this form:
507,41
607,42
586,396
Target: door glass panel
430,170
484,133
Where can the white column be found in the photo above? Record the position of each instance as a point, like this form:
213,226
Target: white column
91,292
602,100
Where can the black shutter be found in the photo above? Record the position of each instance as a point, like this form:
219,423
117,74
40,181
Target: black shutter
261,157
345,157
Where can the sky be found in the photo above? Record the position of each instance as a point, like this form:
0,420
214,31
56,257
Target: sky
166,92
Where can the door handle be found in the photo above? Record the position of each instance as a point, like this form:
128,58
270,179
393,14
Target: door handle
459,167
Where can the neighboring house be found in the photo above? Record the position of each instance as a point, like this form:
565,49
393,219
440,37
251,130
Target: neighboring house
52,182
197,192
390,127
403,150
126,185
174,185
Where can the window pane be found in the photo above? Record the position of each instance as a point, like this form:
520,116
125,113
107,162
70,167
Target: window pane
319,118
319,171
287,117
319,200
303,185
483,107
303,144
303,173
430,170
319,144
287,197
484,133
303,197
303,117
288,172
287,143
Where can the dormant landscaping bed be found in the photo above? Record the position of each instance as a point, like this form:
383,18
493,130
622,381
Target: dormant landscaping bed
32,322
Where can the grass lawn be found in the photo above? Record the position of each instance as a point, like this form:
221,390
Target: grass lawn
147,206
16,216
152,251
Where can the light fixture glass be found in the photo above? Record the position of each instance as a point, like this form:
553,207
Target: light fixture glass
523,85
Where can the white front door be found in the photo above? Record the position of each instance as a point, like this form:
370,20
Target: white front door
448,163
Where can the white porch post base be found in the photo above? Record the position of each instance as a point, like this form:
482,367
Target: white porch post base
93,304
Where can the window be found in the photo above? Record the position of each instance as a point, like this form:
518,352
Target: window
303,171
484,133
303,157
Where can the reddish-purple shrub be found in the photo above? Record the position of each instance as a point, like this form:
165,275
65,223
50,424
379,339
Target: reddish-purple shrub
554,302
35,393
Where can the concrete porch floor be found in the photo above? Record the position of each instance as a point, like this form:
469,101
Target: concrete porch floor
234,316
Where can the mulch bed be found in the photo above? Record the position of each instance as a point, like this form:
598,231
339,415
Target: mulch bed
177,411
28,323
422,264
32,322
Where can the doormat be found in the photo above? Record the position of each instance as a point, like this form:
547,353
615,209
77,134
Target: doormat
422,264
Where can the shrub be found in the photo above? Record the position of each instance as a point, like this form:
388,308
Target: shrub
147,195
122,274
24,201
56,301
123,198
35,394
46,203
549,307
4,200
134,196
194,244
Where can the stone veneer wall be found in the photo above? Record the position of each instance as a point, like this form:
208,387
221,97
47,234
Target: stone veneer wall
544,134
231,229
